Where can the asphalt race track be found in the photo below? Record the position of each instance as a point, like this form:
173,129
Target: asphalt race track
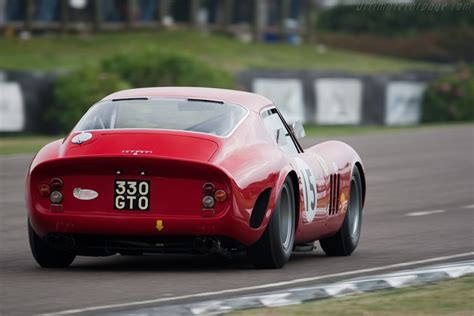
420,205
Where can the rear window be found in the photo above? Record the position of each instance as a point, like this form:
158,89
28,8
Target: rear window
170,114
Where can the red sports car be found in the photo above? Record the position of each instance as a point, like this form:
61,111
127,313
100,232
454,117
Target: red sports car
191,170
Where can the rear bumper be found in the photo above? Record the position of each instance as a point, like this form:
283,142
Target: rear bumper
105,245
46,222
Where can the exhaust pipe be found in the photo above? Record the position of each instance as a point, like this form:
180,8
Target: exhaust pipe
210,246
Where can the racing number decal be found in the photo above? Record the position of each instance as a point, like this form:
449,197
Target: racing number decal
307,183
309,190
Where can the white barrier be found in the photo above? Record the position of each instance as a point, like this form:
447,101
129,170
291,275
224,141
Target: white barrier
339,101
403,102
12,107
336,98
287,94
25,97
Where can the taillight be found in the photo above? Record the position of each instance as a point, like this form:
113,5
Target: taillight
211,196
56,197
220,196
56,184
52,190
208,201
209,188
44,190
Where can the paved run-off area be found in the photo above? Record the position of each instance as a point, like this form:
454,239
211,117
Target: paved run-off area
420,205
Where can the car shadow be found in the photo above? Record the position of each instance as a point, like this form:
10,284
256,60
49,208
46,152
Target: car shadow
178,263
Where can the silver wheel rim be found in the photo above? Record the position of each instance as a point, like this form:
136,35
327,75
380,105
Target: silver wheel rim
286,218
354,211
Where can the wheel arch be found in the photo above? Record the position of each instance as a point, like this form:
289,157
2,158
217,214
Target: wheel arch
358,165
296,191
274,195
260,208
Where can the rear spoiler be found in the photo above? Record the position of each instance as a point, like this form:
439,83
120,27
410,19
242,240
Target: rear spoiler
130,165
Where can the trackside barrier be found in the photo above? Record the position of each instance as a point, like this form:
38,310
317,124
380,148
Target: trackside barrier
338,98
24,98
326,98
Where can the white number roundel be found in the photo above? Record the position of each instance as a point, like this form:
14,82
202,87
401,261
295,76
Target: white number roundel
309,189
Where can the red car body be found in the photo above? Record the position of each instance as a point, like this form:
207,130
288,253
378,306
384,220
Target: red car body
246,165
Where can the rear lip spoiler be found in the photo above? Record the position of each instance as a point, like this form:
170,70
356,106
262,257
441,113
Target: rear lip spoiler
80,159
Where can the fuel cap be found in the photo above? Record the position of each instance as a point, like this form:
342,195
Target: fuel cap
81,138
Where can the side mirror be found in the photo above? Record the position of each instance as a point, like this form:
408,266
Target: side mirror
298,130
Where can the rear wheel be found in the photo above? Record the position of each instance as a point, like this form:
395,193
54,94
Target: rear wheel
47,256
347,238
274,248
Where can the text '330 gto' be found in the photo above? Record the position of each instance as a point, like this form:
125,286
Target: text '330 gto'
191,170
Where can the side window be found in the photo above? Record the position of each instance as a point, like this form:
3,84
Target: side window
276,128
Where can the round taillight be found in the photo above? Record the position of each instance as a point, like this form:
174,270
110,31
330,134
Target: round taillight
56,184
209,187
220,196
208,201
56,197
44,190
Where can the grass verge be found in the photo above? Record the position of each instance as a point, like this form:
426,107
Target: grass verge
74,51
453,297
23,144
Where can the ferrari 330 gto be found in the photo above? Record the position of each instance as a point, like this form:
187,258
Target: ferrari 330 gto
191,170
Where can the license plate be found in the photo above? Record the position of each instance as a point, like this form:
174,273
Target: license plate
132,195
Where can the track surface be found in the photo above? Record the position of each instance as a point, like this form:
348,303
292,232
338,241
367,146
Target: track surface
420,170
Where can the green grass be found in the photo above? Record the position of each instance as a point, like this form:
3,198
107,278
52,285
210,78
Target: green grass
74,51
22,144
453,297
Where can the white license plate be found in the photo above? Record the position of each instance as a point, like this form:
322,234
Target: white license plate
132,195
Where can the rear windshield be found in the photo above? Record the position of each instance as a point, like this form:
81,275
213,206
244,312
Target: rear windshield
173,114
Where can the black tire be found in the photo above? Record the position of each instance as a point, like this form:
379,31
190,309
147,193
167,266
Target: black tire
47,256
347,238
273,249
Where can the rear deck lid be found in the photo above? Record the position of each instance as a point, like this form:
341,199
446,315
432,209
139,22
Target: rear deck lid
164,144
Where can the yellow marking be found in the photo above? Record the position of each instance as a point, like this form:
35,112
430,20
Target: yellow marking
343,201
159,225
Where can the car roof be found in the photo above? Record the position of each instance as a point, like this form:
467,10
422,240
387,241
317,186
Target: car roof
251,101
